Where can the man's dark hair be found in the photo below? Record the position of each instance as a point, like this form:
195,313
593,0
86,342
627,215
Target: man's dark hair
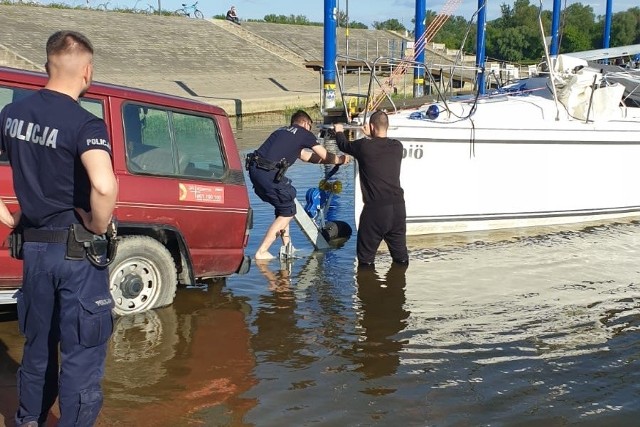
300,116
380,120
68,42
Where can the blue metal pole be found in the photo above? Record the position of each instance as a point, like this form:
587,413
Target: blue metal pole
555,29
480,45
419,47
330,42
607,27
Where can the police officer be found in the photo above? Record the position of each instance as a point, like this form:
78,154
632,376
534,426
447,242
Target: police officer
60,157
280,150
383,215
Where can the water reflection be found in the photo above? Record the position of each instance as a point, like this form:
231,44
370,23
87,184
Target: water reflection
181,364
383,316
278,338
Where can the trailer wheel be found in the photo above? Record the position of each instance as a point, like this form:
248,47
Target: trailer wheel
143,276
336,231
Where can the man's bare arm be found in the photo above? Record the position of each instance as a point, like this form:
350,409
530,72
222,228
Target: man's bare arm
104,190
6,217
321,155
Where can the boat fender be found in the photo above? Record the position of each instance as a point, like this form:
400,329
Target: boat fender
432,113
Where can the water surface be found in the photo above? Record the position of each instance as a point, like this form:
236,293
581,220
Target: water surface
536,327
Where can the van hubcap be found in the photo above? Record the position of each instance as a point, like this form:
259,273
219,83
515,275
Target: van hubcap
131,286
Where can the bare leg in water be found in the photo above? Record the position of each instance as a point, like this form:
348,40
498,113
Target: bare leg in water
280,223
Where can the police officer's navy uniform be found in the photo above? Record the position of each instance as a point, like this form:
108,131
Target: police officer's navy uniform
384,214
285,143
61,301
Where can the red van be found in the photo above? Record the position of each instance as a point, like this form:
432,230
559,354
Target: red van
183,207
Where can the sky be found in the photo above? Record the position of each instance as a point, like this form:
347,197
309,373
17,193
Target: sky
367,11
364,11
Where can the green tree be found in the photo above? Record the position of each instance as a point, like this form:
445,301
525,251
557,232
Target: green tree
623,29
522,14
343,21
515,36
291,19
390,24
635,11
356,24
453,32
579,30
575,40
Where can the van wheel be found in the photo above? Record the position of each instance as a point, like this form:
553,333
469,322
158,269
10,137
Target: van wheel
143,276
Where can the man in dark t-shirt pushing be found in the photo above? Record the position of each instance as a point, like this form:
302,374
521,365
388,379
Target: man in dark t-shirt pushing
384,214
266,164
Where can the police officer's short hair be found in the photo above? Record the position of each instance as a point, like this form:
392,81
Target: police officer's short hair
68,42
300,116
380,120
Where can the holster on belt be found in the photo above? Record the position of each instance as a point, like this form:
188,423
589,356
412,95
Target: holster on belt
16,240
100,249
282,166
267,165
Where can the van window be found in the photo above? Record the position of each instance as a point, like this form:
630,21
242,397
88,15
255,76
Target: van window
93,106
169,143
12,94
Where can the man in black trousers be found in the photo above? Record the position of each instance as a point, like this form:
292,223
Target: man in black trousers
384,214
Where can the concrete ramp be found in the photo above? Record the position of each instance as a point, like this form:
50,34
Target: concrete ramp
181,56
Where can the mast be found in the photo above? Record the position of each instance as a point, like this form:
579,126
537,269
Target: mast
607,28
555,29
480,45
330,38
418,46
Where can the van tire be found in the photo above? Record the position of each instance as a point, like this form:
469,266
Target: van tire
142,276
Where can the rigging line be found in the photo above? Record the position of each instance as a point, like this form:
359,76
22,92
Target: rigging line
472,140
475,100
419,47
549,63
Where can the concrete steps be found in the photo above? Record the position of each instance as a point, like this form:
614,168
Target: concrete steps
251,37
10,58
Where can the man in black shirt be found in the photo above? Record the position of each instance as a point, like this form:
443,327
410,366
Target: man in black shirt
383,215
232,15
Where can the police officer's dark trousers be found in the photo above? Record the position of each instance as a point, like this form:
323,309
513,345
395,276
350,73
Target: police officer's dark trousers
382,222
65,303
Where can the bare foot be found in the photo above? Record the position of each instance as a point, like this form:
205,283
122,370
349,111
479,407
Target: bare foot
263,255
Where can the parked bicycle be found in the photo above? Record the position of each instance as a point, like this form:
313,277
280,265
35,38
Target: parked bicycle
103,6
149,10
188,10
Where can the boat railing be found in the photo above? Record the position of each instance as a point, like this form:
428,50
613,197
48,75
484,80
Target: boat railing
387,78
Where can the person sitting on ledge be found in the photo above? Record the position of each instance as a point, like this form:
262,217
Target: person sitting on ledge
233,16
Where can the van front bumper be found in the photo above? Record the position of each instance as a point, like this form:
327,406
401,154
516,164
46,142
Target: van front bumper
7,296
